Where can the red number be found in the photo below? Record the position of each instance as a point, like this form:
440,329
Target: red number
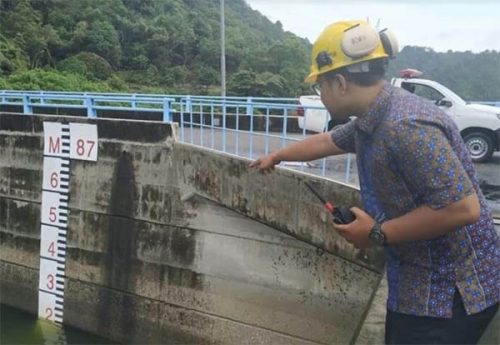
50,284
49,313
92,143
52,214
54,181
80,147
51,249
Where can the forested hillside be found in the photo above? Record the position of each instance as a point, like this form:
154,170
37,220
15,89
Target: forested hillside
170,44
173,46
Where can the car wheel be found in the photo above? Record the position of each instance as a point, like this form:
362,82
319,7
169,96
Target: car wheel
480,146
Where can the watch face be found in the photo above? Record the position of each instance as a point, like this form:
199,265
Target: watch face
377,237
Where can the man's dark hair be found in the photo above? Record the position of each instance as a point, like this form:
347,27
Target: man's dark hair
378,68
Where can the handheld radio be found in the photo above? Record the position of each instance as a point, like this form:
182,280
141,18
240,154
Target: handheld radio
341,214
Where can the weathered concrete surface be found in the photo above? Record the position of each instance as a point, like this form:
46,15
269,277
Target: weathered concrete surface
280,200
155,255
252,281
170,243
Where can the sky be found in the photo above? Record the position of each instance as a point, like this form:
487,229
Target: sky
443,25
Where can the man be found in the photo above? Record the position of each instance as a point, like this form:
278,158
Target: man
421,196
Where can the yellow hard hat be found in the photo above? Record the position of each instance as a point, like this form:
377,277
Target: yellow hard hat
350,43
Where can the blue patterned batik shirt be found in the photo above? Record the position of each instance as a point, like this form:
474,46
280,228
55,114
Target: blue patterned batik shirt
409,154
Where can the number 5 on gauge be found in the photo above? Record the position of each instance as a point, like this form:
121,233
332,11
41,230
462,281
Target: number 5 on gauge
50,208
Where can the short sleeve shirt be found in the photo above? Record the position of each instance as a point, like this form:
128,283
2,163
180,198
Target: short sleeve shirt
409,154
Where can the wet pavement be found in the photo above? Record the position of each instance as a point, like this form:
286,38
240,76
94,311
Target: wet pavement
489,176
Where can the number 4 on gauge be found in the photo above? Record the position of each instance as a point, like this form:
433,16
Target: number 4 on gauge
48,242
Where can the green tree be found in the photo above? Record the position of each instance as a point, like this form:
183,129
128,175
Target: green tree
174,45
88,64
103,40
12,57
22,24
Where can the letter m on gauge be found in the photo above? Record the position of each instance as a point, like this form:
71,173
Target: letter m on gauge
53,143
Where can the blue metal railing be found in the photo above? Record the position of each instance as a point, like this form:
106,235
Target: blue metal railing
142,95
246,127
258,114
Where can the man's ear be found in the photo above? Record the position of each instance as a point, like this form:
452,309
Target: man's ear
342,82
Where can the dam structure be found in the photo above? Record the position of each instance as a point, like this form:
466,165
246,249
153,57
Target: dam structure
163,240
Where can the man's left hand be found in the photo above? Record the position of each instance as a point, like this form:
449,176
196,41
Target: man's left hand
358,231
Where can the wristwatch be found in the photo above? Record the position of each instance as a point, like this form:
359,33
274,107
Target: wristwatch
377,236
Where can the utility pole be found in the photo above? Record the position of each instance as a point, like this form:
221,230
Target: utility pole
223,49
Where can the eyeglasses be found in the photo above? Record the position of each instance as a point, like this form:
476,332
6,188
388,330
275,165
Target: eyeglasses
317,89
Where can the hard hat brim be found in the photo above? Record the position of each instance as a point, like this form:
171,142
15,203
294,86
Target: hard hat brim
311,78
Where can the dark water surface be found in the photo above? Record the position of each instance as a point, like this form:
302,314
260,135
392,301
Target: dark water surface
18,327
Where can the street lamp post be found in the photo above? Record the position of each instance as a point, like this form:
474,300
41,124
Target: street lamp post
223,49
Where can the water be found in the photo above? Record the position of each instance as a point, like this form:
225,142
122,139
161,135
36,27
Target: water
18,327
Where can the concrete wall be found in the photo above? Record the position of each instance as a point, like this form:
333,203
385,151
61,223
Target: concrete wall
172,243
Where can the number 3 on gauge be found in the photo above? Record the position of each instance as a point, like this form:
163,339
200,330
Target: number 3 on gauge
50,282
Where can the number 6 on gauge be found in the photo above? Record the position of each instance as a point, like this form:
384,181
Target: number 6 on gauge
52,174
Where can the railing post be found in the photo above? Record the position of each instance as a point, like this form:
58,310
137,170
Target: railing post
250,113
188,104
181,120
249,106
42,100
348,168
167,116
224,124
27,108
134,103
91,111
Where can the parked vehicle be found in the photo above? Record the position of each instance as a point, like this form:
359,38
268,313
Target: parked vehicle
479,124
315,116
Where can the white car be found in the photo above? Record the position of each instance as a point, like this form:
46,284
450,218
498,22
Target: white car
314,115
479,124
